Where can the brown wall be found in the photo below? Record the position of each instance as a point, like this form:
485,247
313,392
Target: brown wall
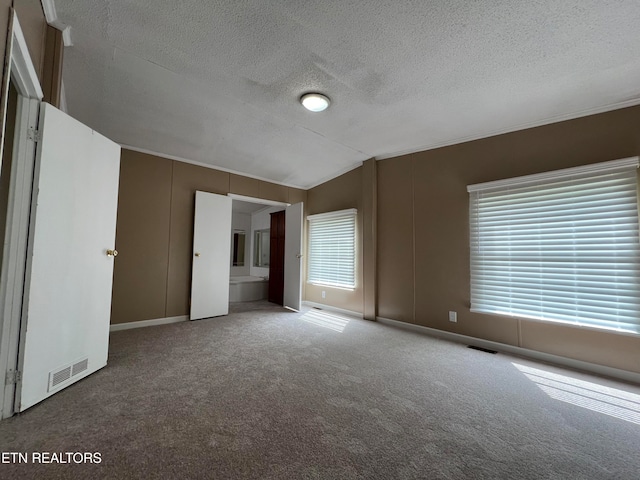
52,66
340,193
369,238
395,254
154,238
142,237
423,232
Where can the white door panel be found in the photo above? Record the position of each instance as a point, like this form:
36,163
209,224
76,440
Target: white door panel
293,257
65,327
211,258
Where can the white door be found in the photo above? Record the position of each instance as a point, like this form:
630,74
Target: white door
67,302
293,257
211,258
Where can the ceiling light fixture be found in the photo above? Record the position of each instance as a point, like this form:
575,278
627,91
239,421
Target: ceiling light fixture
314,102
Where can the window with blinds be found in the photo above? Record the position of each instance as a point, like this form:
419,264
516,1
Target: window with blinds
332,249
559,246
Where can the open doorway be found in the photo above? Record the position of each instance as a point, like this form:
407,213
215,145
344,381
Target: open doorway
224,266
256,273
282,224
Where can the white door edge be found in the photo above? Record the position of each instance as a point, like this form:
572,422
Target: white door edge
293,249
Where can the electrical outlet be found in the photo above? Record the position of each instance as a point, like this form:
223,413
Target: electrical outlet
324,294
453,317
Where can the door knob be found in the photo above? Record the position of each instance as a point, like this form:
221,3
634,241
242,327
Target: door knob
197,254
112,253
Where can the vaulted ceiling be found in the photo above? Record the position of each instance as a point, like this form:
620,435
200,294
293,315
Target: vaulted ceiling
218,82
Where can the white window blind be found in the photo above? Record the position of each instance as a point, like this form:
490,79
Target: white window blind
559,246
332,248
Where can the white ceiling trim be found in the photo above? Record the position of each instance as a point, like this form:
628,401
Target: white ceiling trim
49,8
557,119
205,165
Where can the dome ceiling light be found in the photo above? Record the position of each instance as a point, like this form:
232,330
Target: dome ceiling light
315,102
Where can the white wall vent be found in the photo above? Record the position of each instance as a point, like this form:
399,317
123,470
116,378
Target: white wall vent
80,366
64,375
56,378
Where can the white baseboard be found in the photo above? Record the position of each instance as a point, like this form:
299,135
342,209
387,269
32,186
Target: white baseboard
329,308
603,370
147,323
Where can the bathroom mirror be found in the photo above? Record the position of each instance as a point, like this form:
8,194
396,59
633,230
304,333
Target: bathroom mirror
237,258
261,248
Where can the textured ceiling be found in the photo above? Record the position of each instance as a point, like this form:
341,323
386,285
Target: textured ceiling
218,82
